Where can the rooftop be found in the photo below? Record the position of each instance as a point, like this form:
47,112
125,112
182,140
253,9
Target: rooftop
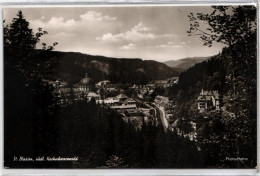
129,100
85,81
92,94
121,96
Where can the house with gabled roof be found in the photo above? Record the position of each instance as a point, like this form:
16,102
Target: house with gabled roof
122,97
129,101
208,99
91,95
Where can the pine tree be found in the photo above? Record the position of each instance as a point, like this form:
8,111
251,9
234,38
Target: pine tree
28,101
21,37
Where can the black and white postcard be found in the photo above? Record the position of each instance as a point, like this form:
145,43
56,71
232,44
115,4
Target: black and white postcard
130,87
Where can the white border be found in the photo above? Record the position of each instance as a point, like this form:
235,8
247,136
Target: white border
124,2
127,172
117,4
131,172
1,93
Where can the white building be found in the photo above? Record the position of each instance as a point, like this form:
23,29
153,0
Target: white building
91,95
208,99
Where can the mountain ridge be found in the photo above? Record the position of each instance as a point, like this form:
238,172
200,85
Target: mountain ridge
185,63
72,66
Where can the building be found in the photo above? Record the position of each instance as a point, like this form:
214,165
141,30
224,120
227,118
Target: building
91,95
111,101
208,99
124,106
161,83
124,103
134,87
59,84
102,84
85,84
134,112
129,102
111,89
122,97
119,102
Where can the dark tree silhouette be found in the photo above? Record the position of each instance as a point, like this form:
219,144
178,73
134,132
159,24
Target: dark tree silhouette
226,24
236,27
28,101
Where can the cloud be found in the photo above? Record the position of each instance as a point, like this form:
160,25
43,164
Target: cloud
87,23
63,34
168,46
60,22
171,45
96,16
140,27
108,37
128,47
185,42
139,32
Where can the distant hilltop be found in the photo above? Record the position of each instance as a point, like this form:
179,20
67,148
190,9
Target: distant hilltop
183,64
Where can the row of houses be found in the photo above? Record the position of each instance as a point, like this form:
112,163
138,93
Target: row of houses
121,101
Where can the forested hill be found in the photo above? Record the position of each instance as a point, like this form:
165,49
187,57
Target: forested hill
209,75
216,73
73,66
233,74
183,64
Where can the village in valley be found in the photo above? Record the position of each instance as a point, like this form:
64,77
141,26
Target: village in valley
135,103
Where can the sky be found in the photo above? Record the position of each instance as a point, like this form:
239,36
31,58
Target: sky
146,32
